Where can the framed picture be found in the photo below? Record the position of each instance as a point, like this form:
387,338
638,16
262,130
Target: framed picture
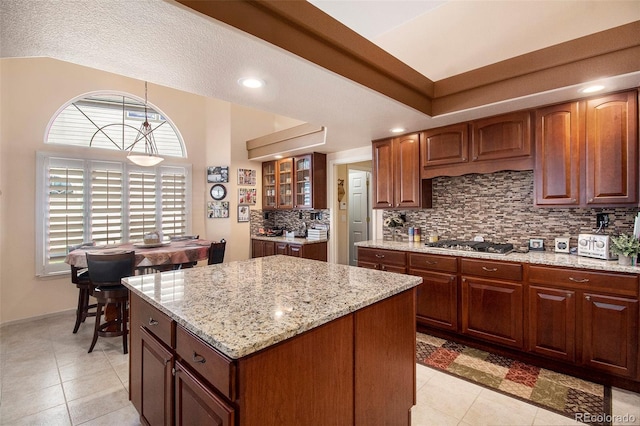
217,209
218,174
246,177
247,195
536,244
243,213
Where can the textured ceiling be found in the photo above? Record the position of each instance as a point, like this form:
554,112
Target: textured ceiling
165,43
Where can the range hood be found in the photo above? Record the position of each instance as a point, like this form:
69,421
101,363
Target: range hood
287,142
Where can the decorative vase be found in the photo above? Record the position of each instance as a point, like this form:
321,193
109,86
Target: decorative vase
624,260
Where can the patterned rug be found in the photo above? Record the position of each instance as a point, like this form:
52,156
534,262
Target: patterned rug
553,391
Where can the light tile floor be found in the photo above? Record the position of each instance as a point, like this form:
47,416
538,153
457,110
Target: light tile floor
48,378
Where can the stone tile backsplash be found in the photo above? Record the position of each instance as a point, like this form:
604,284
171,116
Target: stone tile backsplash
499,206
287,219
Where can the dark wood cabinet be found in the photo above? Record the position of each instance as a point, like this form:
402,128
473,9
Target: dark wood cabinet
445,145
156,385
557,174
396,174
295,183
502,142
612,150
261,248
610,334
382,260
552,322
437,296
587,152
314,251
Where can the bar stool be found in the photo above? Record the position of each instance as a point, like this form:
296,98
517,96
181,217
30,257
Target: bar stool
81,280
105,273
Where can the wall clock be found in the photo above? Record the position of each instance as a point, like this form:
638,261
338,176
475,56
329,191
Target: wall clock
218,191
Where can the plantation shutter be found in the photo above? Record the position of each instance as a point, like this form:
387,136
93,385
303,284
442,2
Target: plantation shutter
65,215
174,201
106,203
142,203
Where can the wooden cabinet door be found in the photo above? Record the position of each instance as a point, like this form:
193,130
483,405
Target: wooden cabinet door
269,186
493,311
500,137
437,300
156,390
295,250
444,145
557,172
285,180
552,322
303,183
196,404
610,334
260,248
407,171
383,174
282,248
612,150
268,248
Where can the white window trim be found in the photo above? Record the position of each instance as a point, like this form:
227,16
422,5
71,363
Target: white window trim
43,160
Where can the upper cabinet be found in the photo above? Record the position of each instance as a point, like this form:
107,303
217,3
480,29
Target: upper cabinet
587,152
488,145
396,174
295,183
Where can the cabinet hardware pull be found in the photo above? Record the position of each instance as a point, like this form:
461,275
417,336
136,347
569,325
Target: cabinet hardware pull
398,205
591,200
588,297
152,321
573,200
429,262
383,268
568,295
452,278
484,268
379,256
389,204
579,280
198,358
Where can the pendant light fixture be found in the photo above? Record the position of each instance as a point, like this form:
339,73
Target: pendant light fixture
150,156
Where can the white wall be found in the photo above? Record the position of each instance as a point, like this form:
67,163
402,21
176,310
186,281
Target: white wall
31,91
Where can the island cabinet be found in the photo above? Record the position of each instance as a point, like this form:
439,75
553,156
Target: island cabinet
396,174
382,260
358,369
585,316
437,296
487,145
295,183
492,301
587,152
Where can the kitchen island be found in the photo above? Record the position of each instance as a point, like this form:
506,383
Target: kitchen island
273,340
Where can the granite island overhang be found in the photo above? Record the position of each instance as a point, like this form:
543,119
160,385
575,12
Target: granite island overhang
284,331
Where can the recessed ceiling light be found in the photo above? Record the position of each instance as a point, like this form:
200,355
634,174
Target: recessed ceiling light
397,130
251,82
592,89
277,157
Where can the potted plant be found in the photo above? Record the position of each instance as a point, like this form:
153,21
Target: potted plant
394,222
626,247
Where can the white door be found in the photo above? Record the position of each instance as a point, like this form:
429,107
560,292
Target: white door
359,211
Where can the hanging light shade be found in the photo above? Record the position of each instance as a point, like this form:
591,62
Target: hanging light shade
150,155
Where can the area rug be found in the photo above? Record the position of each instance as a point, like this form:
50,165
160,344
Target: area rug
575,398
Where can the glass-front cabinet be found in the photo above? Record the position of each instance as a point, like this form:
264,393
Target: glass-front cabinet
295,183
285,183
269,185
303,182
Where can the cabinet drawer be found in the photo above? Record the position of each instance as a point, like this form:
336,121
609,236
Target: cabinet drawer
389,257
156,322
433,262
491,269
621,284
211,365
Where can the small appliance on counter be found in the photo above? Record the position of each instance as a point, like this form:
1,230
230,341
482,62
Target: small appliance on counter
595,245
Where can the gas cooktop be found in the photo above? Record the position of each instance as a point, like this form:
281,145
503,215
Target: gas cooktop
480,246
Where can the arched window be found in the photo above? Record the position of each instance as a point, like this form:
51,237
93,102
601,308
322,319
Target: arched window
112,121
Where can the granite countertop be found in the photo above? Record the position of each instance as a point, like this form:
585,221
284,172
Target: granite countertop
295,240
532,257
244,306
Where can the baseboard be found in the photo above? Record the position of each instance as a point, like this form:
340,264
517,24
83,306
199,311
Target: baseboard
38,317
